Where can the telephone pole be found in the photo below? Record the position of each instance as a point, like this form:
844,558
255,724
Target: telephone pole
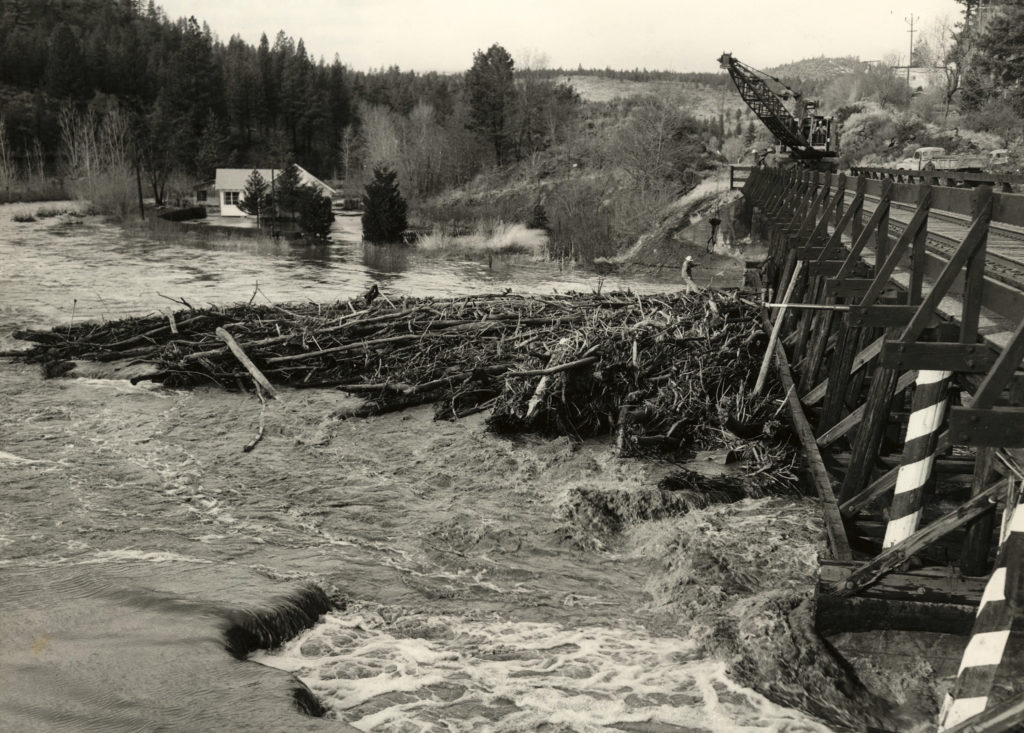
910,57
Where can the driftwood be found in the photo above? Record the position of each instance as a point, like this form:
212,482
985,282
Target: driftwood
681,363
257,375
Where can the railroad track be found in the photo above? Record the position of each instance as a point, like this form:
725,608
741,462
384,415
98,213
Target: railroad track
1004,259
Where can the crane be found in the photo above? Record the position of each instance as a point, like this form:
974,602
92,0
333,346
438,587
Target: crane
808,136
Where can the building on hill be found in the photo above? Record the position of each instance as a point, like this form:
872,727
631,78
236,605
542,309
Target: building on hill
230,185
921,77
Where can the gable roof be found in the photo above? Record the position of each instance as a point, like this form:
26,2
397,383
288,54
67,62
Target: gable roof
233,179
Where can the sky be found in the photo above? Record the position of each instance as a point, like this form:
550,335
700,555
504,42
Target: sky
675,35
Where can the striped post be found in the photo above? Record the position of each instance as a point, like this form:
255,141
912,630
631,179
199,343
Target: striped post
928,409
999,604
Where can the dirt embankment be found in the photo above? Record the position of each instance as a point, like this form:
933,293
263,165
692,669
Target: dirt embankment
689,228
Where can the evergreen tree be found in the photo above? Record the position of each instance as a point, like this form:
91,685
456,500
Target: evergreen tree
998,65
315,215
383,208
288,194
255,199
491,90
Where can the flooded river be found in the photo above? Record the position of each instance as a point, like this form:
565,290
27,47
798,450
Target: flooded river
134,531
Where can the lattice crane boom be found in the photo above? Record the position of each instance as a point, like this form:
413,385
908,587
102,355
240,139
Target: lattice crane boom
767,105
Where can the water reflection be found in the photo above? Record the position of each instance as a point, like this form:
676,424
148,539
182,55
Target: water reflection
96,270
385,259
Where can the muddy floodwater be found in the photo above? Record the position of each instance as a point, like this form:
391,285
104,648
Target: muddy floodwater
133,528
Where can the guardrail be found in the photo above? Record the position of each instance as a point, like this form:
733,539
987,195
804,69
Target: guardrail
1005,181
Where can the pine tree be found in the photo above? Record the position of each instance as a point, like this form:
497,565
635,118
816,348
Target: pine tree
383,208
254,199
315,215
288,194
491,90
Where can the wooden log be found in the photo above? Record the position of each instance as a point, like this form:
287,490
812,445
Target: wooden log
822,481
257,375
898,554
773,339
558,355
924,585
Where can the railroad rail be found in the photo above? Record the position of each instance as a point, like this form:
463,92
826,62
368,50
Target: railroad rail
904,323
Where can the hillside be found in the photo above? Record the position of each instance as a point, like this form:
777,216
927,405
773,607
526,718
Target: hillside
823,68
701,100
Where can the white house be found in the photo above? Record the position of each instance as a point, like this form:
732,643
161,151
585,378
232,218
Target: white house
230,185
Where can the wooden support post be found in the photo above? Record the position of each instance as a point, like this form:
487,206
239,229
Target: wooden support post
856,416
865,447
839,372
974,555
994,720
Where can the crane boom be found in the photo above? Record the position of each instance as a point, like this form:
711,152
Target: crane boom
808,138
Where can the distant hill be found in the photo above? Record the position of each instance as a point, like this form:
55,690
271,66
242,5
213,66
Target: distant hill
823,68
703,101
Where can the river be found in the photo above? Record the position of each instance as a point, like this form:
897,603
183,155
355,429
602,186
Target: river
133,529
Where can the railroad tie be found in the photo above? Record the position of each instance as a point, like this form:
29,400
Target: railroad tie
991,631
928,410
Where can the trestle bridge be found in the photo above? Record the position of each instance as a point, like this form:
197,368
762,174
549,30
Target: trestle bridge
899,308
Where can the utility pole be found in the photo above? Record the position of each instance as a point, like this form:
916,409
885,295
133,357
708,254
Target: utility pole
910,57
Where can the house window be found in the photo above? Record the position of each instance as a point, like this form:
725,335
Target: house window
231,198
201,197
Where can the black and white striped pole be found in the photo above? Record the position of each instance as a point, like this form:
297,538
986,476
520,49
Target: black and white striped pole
928,410
1000,602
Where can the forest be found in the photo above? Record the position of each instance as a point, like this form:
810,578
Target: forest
105,95
191,102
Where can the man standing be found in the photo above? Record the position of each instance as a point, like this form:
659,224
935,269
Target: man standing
686,272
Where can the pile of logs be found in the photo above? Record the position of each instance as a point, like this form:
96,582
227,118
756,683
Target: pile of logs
667,372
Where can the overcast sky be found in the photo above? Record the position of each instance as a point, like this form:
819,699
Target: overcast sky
678,35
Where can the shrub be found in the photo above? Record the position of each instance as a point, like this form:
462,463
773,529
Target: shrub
23,218
384,208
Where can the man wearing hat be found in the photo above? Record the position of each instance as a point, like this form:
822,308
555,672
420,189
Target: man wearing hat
687,269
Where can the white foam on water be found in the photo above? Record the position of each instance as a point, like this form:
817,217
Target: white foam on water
130,555
386,670
6,457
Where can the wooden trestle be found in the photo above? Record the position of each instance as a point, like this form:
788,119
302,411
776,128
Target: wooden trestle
872,313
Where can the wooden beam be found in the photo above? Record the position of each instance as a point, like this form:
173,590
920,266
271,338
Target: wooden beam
868,353
926,585
890,559
971,358
995,427
844,426
822,480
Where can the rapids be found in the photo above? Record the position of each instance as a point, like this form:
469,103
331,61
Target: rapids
135,533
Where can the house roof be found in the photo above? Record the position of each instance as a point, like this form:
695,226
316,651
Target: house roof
233,179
